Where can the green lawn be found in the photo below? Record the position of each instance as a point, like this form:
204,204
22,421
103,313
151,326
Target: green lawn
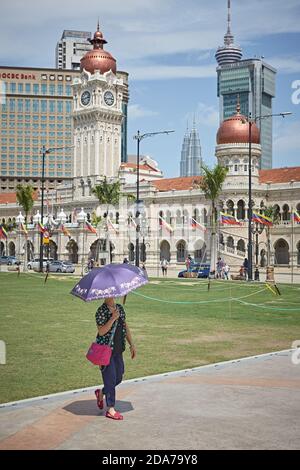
47,331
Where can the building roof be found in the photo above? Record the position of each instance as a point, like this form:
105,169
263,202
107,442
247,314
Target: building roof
280,175
144,166
179,184
276,175
11,198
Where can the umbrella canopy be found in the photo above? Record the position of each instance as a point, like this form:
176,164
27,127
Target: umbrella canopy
112,280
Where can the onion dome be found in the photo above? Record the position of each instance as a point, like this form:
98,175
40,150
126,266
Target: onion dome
235,130
98,58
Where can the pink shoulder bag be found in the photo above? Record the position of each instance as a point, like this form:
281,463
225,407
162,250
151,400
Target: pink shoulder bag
100,354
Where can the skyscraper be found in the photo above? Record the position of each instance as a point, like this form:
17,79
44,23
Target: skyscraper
254,81
191,160
71,48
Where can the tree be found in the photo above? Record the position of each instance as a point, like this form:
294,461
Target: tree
273,214
25,198
107,194
211,184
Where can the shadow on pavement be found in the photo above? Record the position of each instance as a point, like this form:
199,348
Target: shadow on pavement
89,407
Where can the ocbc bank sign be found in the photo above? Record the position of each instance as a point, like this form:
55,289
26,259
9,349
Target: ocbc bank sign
18,76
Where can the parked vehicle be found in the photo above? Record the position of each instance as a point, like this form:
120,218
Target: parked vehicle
9,260
35,263
202,271
61,267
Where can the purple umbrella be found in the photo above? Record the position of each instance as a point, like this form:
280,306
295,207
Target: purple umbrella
112,280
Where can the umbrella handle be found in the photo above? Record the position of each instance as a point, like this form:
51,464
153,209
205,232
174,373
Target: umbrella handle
124,299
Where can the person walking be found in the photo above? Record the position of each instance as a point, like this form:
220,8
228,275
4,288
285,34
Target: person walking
108,315
226,270
246,267
164,266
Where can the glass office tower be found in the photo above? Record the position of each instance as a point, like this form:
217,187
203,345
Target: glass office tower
253,81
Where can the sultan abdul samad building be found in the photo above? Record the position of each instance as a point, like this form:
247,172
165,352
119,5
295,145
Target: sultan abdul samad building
100,96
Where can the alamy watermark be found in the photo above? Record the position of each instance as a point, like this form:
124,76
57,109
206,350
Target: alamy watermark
296,93
296,354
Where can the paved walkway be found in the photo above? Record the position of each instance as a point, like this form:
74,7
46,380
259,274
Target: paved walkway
253,403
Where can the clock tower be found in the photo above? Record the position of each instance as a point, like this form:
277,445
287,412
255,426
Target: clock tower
100,96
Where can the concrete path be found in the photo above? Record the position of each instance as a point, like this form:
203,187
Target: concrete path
253,403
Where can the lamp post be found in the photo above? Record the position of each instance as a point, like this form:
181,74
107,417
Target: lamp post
44,152
61,218
251,122
139,137
81,218
20,220
257,230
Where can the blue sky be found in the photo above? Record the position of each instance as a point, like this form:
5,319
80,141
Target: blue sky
168,49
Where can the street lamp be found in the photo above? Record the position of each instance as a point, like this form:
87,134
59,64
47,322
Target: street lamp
257,230
81,218
44,152
139,137
20,220
251,122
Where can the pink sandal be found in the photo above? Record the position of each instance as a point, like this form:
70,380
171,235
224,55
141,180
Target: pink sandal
99,402
116,416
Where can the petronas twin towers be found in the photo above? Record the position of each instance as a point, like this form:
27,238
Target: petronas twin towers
191,160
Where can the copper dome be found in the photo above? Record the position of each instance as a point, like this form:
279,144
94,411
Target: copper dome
235,130
98,58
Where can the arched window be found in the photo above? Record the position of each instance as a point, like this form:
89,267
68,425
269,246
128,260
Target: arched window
204,216
282,255
200,254
230,207
241,247
165,250
131,252
11,249
196,215
298,208
181,251
276,214
72,248
178,218
230,244
161,216
241,210
286,213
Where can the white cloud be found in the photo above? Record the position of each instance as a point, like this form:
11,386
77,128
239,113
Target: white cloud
204,115
166,72
286,64
287,137
136,29
135,111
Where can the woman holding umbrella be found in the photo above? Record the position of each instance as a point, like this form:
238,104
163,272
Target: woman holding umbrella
108,283
110,316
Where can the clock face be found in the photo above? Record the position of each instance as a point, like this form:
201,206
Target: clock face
109,98
85,98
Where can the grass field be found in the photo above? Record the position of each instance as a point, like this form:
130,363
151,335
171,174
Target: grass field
176,324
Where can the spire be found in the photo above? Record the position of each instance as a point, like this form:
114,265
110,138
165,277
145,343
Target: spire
238,105
98,26
230,52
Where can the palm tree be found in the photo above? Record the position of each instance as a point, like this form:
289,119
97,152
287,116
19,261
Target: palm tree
25,199
211,184
107,194
272,213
